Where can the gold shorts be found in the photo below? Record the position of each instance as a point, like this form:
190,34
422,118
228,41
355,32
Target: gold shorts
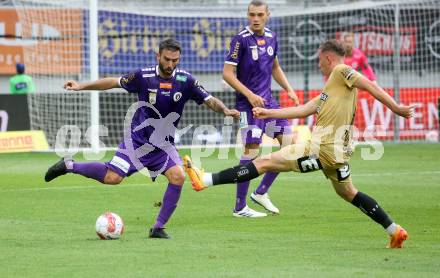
305,157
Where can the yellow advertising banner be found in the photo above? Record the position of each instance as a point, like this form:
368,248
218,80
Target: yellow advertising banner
23,141
48,41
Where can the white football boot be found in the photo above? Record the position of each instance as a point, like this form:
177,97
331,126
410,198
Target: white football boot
264,201
248,212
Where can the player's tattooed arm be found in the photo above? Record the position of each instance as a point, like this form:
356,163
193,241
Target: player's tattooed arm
218,106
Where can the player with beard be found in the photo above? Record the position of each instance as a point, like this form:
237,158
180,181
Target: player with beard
162,91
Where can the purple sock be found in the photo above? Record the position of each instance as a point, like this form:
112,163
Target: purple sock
266,182
93,170
169,204
242,189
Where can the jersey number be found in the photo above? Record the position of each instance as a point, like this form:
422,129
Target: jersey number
309,164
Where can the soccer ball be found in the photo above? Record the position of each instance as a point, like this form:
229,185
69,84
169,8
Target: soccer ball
109,226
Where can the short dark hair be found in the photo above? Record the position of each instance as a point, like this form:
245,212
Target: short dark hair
334,46
20,68
170,44
258,3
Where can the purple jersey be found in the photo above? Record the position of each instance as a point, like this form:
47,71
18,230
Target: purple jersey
254,56
156,121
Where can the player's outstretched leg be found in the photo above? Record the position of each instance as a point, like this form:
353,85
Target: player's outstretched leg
93,170
201,180
195,174
58,169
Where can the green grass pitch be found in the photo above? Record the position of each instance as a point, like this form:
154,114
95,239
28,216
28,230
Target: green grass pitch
47,229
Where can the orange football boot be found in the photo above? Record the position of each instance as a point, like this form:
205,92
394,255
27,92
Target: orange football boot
195,174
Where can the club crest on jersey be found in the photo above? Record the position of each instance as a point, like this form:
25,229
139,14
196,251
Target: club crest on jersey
168,86
270,51
254,52
323,96
177,96
152,98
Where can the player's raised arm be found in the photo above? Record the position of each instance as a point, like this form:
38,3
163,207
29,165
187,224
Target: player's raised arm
281,79
378,93
100,84
301,111
218,106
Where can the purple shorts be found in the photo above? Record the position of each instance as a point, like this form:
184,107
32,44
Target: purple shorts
157,160
252,129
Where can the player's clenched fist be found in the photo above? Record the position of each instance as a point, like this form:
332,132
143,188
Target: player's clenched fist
260,113
72,85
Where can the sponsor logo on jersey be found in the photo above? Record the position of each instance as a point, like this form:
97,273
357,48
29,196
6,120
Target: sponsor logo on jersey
270,50
261,42
177,96
166,85
152,98
181,78
234,54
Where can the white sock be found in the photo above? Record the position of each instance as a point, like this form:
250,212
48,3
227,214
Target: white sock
207,179
391,230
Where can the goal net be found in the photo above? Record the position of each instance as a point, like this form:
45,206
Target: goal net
400,38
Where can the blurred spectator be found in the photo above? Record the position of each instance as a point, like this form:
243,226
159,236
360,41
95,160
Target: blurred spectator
356,59
21,83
